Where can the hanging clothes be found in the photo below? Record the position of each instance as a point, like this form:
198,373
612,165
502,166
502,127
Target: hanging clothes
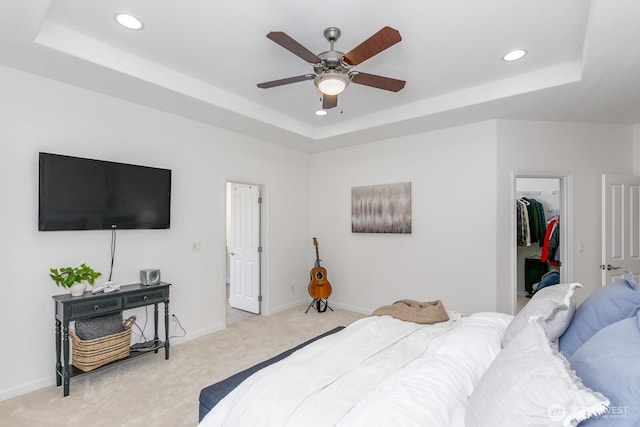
519,230
537,221
524,236
551,243
531,224
554,245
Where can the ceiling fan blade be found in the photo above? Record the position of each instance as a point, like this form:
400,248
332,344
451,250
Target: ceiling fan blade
288,80
293,46
375,44
329,101
380,82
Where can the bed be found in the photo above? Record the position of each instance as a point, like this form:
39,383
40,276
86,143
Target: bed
552,364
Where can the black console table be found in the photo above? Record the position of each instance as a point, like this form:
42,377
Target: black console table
68,308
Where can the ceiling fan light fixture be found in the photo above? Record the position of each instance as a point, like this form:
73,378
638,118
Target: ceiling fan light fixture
332,83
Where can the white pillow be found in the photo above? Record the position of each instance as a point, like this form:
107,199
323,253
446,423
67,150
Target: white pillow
554,305
531,384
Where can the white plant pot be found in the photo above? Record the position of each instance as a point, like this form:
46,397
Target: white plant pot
77,289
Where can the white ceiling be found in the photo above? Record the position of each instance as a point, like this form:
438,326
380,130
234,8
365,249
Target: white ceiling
202,59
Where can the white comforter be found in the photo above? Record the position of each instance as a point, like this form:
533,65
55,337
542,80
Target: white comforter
377,371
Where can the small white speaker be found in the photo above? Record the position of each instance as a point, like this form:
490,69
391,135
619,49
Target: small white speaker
150,276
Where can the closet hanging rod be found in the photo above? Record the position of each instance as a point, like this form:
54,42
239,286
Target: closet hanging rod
529,193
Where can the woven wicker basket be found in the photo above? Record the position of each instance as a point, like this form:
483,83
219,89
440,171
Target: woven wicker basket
91,354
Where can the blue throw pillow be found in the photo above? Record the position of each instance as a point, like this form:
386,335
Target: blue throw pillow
615,301
608,363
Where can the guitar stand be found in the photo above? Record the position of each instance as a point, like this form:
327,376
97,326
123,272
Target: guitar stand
321,305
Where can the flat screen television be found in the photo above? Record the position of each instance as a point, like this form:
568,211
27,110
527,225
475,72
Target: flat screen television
86,194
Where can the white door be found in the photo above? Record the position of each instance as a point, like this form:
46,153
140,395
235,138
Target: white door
620,226
244,263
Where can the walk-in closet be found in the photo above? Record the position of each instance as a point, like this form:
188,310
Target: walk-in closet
537,207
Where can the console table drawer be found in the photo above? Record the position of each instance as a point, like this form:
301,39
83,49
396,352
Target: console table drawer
97,307
151,297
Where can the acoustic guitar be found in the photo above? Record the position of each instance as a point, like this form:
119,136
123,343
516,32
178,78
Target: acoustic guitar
319,286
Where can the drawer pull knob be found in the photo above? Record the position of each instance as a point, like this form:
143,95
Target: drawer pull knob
96,307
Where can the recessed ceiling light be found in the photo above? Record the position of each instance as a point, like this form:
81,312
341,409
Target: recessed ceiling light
514,55
128,21
321,113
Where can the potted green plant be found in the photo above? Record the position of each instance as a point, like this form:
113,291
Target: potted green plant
74,278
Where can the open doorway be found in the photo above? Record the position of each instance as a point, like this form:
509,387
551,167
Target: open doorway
543,254
243,250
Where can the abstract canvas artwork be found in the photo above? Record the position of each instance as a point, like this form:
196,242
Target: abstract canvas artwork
384,208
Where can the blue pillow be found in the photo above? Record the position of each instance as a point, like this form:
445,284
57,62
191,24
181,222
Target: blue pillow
614,301
608,363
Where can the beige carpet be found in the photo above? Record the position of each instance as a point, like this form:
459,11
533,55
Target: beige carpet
152,391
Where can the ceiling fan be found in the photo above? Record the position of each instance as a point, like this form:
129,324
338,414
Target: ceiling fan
332,70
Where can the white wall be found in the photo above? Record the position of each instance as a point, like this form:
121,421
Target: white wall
450,254
460,249
42,115
585,151
462,205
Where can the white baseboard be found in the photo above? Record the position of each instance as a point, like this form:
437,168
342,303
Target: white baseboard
27,388
351,308
332,304
288,306
47,382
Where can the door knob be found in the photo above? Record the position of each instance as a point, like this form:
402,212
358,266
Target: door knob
231,253
609,267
